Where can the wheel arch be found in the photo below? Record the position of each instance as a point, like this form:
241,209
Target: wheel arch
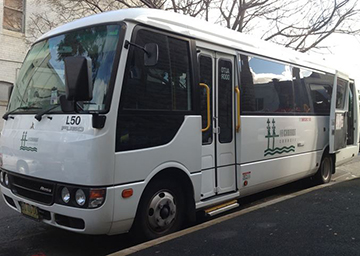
181,175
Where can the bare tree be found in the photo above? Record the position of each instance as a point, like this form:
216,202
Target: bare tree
63,11
193,8
57,12
298,24
301,25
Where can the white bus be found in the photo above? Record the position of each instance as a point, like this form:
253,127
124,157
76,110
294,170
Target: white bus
137,119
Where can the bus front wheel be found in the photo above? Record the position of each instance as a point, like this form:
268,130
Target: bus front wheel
325,171
161,210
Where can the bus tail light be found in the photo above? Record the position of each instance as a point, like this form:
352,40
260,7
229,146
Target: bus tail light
96,197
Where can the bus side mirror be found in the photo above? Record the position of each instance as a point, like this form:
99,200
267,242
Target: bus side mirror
78,78
151,55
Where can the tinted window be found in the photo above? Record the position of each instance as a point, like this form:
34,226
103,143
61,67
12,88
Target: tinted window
301,96
350,118
340,93
225,100
320,86
163,90
206,75
165,86
266,86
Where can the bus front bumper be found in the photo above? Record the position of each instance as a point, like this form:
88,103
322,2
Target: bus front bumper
86,221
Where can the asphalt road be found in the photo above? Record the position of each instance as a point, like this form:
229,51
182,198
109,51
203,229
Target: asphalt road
22,236
323,222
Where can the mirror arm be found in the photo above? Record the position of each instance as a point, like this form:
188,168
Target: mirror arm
98,121
127,44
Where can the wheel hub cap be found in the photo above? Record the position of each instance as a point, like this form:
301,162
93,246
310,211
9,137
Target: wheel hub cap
162,211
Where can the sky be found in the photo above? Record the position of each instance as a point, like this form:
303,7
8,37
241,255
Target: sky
344,53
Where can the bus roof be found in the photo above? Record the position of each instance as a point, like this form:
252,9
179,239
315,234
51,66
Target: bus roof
198,29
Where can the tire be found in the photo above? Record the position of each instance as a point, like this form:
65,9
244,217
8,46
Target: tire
325,171
161,210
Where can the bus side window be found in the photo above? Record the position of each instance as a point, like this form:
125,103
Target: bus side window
340,93
302,101
266,86
154,99
164,86
320,89
206,76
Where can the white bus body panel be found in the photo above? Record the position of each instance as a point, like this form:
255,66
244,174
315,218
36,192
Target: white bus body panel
183,153
143,164
56,151
297,150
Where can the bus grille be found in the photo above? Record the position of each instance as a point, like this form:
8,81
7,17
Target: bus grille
33,189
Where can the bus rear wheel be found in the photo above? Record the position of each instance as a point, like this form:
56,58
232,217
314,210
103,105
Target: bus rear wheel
161,210
325,171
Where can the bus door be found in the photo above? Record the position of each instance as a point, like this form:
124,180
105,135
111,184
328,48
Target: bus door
339,113
218,150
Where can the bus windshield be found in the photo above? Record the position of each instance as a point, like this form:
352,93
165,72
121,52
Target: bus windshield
41,79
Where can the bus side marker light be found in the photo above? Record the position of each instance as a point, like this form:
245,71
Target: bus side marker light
126,193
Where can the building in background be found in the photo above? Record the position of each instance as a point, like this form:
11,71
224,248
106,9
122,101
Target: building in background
14,19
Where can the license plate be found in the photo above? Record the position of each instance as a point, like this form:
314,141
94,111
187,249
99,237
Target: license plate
30,210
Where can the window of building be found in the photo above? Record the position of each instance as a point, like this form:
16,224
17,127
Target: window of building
14,15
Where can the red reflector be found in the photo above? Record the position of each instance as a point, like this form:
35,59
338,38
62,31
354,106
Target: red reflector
97,193
126,193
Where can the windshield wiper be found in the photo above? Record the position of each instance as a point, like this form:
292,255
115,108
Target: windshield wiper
6,115
39,115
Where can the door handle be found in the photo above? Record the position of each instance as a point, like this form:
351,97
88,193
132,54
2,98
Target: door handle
237,91
207,106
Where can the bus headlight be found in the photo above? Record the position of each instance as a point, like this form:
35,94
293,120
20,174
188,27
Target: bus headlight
65,195
80,197
6,179
1,177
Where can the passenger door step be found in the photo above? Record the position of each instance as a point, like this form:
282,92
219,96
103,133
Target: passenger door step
222,208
